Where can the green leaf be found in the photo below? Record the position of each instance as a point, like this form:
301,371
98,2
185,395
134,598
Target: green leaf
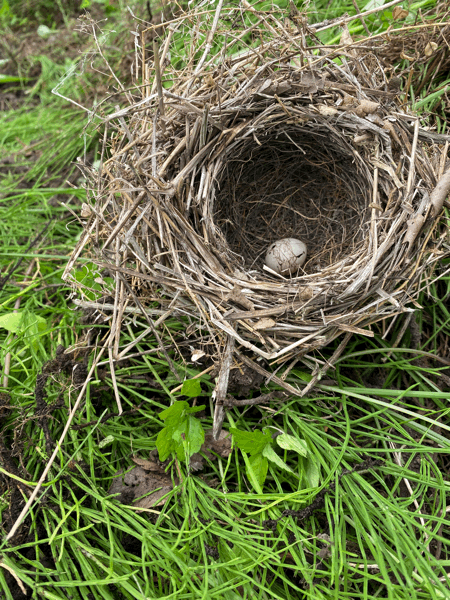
109,282
191,388
252,442
312,471
257,471
195,409
195,436
24,322
173,414
178,430
165,444
181,455
11,322
189,433
289,442
182,434
271,455
86,276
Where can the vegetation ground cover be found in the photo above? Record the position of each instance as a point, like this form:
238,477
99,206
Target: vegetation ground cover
360,514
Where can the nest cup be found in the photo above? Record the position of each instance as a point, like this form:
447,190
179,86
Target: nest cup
291,183
247,147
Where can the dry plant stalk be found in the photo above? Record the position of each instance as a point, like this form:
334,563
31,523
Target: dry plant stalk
237,135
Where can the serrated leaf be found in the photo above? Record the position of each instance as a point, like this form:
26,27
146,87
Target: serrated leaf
289,442
191,388
165,444
258,469
271,455
252,442
182,434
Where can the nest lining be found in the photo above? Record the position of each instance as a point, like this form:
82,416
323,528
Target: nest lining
202,177
292,184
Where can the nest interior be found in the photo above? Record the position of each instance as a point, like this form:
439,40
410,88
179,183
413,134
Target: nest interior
293,184
246,147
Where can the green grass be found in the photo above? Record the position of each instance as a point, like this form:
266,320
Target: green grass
375,533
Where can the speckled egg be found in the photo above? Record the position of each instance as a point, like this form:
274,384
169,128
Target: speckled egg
286,256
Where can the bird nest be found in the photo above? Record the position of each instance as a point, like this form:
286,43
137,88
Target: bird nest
235,138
